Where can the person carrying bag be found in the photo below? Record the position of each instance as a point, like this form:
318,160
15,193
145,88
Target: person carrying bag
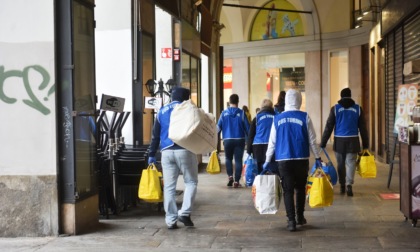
292,138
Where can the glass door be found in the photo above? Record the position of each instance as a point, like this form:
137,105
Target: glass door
84,95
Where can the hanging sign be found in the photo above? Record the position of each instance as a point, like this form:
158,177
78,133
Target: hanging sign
112,103
152,102
176,54
407,99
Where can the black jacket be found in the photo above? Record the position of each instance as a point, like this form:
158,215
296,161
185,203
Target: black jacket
345,144
279,107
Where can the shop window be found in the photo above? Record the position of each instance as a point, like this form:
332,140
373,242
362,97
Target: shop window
191,76
84,100
147,74
275,73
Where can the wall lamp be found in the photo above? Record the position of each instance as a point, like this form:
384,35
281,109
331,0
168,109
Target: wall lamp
159,87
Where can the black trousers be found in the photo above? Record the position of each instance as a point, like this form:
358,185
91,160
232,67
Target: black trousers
294,175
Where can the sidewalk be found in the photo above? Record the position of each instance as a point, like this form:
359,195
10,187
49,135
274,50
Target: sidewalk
225,220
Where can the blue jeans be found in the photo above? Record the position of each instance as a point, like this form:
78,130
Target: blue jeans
346,166
234,148
175,162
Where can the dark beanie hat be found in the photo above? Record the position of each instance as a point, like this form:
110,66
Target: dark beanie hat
345,93
180,94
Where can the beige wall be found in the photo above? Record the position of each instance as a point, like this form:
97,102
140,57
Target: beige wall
334,15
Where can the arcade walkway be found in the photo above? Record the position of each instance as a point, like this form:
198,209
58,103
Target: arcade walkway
225,220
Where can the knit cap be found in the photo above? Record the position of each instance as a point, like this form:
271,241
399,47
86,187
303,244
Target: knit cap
346,92
180,94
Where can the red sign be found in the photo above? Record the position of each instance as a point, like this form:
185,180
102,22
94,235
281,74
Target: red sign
227,77
166,53
176,57
268,82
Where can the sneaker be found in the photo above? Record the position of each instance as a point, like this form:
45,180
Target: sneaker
230,183
237,185
291,225
186,220
349,191
173,226
342,189
301,220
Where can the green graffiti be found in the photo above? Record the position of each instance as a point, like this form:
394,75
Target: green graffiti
33,101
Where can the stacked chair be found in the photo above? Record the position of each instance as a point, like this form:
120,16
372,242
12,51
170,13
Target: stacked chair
119,166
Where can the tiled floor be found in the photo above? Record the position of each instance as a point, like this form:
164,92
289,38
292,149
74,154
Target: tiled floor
226,220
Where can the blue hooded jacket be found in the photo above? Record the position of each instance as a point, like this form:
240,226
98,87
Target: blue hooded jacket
163,118
233,124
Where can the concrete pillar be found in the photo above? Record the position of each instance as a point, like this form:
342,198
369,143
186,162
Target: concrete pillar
240,79
313,90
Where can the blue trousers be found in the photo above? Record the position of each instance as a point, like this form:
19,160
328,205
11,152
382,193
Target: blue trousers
174,163
234,148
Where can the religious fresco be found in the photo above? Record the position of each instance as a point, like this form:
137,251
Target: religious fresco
273,24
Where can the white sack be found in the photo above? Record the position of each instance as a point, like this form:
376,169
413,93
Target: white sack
266,193
192,128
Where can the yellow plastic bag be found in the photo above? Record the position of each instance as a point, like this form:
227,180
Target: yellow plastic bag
366,166
321,192
213,167
150,188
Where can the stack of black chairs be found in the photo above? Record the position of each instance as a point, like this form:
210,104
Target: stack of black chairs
120,166
129,163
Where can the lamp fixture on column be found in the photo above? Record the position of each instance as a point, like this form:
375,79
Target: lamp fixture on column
159,89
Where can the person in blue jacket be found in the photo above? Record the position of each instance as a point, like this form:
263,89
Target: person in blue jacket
175,161
234,127
347,120
259,133
292,137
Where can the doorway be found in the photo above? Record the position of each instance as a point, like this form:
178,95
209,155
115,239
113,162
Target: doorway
76,106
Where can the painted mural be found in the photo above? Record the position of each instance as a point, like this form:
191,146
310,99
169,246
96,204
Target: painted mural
273,24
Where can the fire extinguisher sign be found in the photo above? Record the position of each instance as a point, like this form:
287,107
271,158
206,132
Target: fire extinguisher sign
166,53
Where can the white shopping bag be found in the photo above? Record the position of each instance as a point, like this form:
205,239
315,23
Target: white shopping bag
266,193
192,128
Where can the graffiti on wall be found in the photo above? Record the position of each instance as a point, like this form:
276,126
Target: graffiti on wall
33,101
67,125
